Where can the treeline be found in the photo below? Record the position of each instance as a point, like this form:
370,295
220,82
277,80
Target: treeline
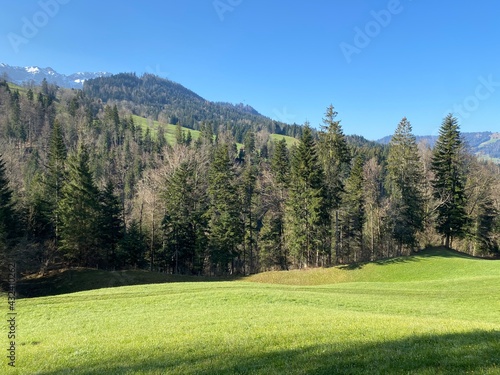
82,185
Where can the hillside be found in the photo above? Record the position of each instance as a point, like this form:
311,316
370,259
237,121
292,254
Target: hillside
405,320
160,99
428,265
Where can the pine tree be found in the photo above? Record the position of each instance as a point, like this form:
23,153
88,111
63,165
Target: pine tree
248,195
55,177
280,163
305,217
449,181
179,134
273,250
352,217
404,180
110,224
225,226
80,213
9,224
335,157
181,220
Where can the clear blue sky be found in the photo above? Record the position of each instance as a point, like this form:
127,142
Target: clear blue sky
288,59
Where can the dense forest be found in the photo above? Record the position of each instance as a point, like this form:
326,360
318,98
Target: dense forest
82,184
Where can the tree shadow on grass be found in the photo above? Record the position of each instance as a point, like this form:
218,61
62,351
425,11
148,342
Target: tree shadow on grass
380,262
414,257
79,280
474,352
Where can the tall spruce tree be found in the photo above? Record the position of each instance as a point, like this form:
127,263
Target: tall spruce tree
55,177
404,182
335,157
449,181
224,225
306,204
184,206
110,224
80,213
352,215
8,217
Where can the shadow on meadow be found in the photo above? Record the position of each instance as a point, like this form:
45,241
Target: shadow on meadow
440,252
473,352
79,280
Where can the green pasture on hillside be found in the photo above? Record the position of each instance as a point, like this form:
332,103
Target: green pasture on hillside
434,313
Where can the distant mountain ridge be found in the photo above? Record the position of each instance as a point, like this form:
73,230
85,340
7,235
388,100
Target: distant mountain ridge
34,74
482,144
167,101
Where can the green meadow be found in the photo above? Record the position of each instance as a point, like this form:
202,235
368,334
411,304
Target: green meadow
437,312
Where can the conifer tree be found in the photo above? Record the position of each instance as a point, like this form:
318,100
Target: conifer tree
110,224
224,226
55,176
335,158
404,180
80,213
8,216
182,217
449,181
273,250
353,215
306,203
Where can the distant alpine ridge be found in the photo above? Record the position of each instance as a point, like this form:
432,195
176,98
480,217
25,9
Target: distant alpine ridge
34,74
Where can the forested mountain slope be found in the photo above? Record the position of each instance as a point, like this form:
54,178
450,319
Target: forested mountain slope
160,99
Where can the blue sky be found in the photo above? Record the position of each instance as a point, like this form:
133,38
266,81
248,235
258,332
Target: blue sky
375,61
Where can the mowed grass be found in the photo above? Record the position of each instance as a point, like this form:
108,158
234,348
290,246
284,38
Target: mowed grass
434,313
290,141
169,129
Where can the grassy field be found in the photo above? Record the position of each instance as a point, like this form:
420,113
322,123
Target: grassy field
169,129
290,141
434,313
170,132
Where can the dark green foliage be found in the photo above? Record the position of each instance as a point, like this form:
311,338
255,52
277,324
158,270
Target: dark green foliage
335,156
280,163
404,184
449,182
183,222
80,214
9,224
352,215
132,248
306,208
110,224
484,226
224,226
55,176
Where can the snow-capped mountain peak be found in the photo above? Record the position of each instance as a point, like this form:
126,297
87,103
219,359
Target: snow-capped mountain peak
33,69
35,74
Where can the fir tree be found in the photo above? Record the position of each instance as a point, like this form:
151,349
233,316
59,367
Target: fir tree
449,181
80,213
225,226
55,176
404,182
8,217
335,157
306,203
180,221
110,224
353,215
